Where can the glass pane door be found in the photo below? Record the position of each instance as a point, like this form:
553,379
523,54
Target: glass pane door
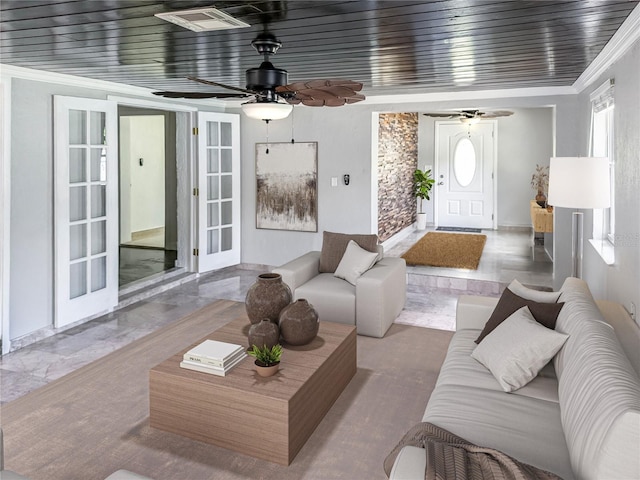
86,208
219,186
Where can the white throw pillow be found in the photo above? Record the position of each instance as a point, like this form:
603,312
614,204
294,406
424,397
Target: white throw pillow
530,294
355,262
517,349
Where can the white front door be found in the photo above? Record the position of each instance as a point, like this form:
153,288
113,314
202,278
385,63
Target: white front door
465,163
86,208
218,190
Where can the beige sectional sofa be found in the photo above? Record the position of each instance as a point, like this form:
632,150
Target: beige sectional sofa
579,418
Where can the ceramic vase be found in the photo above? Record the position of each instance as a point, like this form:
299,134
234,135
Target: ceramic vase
299,323
267,297
264,333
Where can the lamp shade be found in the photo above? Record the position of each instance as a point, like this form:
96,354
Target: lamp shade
579,182
267,110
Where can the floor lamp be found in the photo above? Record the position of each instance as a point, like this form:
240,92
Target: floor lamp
579,183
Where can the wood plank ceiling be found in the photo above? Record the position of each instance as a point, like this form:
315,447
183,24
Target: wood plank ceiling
390,46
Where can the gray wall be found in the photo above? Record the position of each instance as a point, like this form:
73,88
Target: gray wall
619,282
32,236
31,277
345,146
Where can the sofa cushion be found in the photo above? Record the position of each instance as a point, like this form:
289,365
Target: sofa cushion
526,428
517,349
355,262
531,294
460,369
335,244
333,298
599,391
544,313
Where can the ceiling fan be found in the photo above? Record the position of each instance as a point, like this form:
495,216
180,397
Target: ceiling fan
470,116
273,96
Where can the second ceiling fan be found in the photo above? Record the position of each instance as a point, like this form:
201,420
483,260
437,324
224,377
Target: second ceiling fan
273,96
470,116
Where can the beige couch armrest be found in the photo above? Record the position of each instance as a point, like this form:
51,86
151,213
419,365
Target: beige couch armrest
300,270
410,464
473,311
381,293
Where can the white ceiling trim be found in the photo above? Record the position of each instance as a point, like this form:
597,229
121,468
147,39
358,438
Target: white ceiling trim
469,95
622,40
83,82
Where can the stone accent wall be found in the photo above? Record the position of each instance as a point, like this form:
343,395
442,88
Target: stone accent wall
397,160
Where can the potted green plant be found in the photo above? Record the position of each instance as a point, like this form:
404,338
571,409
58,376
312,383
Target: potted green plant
540,182
267,359
422,185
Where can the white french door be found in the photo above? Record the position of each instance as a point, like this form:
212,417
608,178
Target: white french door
86,208
218,190
465,162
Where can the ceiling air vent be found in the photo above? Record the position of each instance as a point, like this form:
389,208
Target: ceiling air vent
203,19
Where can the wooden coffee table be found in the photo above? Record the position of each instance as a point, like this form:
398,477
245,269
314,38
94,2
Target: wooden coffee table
268,418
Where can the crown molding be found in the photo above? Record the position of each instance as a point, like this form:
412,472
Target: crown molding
13,71
622,40
468,95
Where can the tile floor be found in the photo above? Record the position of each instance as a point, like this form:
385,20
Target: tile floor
431,299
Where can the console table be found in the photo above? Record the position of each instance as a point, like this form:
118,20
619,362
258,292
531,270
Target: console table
541,218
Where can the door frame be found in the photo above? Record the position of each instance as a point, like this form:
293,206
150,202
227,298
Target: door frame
5,212
186,176
494,193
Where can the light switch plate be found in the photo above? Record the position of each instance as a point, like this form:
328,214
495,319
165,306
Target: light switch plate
334,181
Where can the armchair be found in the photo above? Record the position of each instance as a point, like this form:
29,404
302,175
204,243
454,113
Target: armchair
372,304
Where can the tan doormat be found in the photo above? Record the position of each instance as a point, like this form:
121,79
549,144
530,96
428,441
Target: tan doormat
451,250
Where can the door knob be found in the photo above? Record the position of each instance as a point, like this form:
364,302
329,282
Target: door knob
440,183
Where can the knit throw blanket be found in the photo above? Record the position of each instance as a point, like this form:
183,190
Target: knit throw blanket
449,457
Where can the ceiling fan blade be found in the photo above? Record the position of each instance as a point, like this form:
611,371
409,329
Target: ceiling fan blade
320,84
320,93
199,95
496,113
229,87
442,114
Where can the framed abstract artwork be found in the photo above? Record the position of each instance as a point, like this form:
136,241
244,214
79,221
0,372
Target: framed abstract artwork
287,186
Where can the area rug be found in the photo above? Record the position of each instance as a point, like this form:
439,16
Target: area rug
452,250
94,421
459,229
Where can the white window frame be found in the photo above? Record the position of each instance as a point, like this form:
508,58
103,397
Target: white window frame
602,113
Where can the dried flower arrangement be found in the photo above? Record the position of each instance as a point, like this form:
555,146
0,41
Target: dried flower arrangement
540,180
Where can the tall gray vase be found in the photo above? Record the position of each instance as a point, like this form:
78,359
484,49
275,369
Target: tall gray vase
267,297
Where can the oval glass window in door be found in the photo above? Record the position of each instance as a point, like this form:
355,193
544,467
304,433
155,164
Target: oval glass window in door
464,162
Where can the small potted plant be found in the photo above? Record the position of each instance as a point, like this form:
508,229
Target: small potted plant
267,359
540,183
422,185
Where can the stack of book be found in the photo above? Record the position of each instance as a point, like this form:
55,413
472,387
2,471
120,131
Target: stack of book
213,357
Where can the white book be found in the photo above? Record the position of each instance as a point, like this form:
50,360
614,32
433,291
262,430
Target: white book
199,367
189,357
214,350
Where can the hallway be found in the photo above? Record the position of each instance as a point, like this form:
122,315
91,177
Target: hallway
431,300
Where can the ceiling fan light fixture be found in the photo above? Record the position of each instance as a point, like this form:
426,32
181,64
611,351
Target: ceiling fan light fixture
267,110
470,120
